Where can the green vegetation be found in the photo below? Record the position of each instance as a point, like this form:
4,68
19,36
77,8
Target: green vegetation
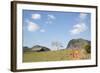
88,48
54,55
77,49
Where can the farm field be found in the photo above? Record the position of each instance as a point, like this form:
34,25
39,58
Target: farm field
59,55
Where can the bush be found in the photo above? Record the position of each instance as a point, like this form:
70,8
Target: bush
88,48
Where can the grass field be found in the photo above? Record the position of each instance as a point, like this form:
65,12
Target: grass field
59,55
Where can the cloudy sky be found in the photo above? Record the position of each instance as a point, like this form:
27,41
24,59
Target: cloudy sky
45,27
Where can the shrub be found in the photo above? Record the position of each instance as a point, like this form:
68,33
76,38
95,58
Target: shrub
88,48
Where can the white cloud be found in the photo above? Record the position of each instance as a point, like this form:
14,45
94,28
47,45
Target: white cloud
36,16
48,22
32,26
81,26
78,28
42,30
82,16
51,16
50,19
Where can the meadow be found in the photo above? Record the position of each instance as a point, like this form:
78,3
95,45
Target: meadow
59,55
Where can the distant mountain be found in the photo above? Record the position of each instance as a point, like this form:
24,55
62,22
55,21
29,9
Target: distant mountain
26,49
77,43
38,48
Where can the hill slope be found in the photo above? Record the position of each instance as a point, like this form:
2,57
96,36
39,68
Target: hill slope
39,48
77,43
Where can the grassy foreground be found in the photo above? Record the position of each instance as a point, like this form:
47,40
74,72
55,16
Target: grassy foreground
55,55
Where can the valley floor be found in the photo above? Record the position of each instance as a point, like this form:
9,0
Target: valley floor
59,55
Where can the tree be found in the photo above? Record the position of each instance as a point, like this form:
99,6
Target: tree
88,48
57,45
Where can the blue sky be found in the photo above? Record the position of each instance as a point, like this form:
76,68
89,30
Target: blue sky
45,27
